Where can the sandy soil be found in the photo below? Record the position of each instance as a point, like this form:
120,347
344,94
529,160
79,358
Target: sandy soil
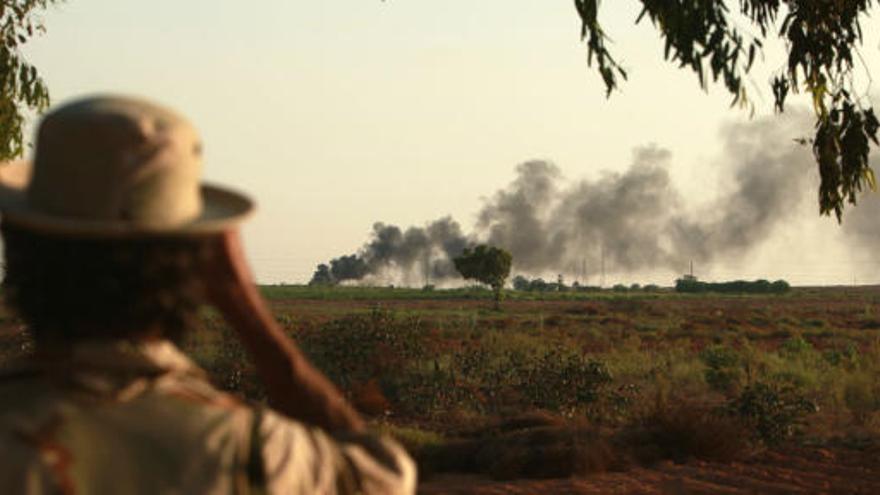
795,470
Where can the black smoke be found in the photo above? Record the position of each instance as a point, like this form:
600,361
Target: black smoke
426,251
861,225
633,220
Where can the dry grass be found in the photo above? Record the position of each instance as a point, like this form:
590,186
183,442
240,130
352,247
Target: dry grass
532,445
683,432
541,445
448,366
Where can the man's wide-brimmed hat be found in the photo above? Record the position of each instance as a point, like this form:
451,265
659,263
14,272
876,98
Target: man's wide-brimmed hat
116,166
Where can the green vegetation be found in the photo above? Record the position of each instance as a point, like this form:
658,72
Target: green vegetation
486,264
355,293
602,380
522,283
612,359
724,370
772,411
691,284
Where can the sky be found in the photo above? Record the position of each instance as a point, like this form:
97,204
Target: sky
335,115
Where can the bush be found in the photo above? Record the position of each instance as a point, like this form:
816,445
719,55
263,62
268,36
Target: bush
724,371
861,393
537,445
796,346
684,431
381,361
773,412
847,356
562,380
491,380
217,349
356,348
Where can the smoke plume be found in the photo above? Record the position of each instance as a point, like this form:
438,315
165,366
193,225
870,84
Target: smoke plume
633,220
424,250
861,223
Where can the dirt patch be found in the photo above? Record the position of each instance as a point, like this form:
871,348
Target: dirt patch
796,470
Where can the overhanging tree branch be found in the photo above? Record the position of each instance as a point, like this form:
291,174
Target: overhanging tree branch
821,38
21,87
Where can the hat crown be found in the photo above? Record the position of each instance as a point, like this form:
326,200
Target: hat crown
117,159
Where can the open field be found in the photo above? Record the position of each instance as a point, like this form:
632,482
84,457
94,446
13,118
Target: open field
636,392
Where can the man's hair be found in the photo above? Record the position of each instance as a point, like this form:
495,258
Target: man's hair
67,289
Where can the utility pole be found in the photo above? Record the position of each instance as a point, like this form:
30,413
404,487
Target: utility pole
602,255
427,269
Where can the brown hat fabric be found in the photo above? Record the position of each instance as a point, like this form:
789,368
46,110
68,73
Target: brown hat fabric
116,166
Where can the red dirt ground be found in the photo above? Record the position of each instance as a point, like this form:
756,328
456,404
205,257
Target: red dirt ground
801,470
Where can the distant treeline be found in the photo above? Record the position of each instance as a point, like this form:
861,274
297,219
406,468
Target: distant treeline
691,284
522,283
686,284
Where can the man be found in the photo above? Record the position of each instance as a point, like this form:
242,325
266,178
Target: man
111,246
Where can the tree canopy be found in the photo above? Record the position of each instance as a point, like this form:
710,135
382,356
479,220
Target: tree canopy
21,87
486,264
822,38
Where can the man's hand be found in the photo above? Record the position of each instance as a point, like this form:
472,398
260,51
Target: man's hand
229,283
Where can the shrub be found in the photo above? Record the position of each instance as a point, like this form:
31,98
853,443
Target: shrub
496,380
773,412
847,356
356,348
562,380
683,431
723,372
545,452
861,393
796,346
217,349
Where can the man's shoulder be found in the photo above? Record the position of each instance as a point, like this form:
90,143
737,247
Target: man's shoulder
198,392
190,420
177,402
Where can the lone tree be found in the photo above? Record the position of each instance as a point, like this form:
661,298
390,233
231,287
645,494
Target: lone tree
486,264
821,38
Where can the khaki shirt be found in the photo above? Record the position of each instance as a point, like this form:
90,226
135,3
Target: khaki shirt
124,418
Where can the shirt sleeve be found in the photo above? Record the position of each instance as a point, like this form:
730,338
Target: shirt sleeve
298,459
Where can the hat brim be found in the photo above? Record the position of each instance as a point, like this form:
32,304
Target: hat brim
222,209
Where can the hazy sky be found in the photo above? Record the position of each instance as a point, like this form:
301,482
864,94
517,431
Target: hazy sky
335,115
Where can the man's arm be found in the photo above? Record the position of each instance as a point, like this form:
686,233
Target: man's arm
295,387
